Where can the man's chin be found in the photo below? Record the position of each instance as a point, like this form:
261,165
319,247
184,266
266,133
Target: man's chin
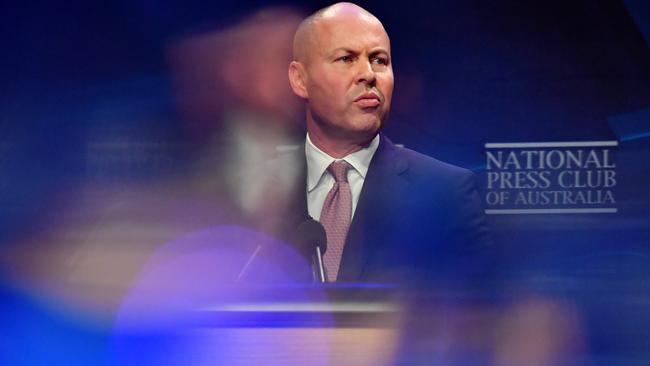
368,126
364,132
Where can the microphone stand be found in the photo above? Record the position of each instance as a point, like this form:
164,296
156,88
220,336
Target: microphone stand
319,270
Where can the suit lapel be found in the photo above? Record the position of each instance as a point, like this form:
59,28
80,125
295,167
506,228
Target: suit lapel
372,209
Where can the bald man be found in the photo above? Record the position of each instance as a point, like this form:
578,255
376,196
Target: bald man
390,214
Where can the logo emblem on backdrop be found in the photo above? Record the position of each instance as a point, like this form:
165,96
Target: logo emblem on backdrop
550,177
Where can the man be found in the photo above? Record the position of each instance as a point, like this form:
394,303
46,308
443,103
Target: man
390,214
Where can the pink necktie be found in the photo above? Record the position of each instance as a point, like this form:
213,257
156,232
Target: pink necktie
335,217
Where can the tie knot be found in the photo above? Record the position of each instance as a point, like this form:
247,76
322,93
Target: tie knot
339,170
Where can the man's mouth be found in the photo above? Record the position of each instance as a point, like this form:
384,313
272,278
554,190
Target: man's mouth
367,100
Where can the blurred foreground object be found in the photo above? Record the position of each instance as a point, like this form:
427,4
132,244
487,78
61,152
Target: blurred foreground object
234,97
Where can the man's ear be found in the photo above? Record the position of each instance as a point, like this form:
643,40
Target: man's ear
297,79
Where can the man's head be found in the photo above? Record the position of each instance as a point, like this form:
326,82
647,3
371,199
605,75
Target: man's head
342,68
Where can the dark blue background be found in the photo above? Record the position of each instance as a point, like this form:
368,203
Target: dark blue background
486,71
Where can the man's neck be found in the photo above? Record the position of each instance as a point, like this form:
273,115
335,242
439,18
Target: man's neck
337,148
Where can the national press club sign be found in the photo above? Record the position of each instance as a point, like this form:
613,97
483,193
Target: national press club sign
550,177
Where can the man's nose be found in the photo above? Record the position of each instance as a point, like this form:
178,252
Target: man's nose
365,73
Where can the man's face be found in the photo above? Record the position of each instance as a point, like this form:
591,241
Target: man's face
349,77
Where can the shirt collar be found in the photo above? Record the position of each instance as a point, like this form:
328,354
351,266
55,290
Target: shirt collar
318,161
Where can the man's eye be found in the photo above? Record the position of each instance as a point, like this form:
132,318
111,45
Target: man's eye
346,58
379,61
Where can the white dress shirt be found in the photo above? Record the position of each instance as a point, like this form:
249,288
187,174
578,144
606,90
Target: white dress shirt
320,181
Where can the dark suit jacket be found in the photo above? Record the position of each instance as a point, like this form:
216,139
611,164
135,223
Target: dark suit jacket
418,220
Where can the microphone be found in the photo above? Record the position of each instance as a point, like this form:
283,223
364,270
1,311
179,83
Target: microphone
312,241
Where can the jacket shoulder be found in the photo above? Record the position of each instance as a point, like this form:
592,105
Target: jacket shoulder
427,167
